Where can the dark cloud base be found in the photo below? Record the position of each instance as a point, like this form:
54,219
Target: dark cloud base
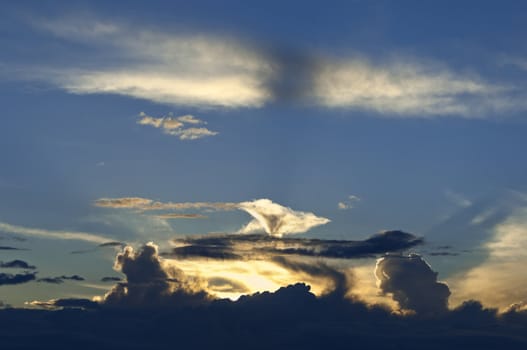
291,318
237,247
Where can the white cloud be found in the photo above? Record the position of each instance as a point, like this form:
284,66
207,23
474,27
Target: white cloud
173,68
407,88
277,220
348,203
43,233
269,217
176,126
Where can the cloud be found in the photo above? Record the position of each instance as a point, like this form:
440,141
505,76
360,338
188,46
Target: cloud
180,216
348,203
173,68
150,282
111,279
498,279
277,220
269,217
10,248
145,204
412,283
17,264
43,233
75,303
11,279
340,281
257,246
176,126
458,199
408,88
60,279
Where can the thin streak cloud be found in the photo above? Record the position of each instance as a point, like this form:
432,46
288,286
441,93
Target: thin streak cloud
51,234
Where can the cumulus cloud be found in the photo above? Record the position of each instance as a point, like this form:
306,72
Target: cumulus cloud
150,282
412,283
405,88
177,126
43,233
174,68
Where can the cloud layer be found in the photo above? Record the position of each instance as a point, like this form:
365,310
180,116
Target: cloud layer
272,218
208,70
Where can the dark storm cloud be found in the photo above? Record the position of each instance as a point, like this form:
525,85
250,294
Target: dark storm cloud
60,279
412,283
10,279
292,318
17,264
238,246
149,283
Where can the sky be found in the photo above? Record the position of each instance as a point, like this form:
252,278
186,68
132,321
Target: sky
373,150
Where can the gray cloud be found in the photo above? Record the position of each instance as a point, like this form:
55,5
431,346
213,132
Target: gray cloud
11,279
60,279
18,264
412,283
151,283
229,246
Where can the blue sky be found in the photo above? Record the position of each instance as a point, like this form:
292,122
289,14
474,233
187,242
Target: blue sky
416,110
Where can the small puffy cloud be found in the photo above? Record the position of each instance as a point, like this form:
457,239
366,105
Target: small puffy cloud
412,283
17,264
277,220
10,279
192,133
348,203
177,126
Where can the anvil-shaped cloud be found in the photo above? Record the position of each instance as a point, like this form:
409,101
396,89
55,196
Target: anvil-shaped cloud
272,218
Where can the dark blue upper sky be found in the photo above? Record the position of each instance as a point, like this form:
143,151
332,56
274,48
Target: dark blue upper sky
416,109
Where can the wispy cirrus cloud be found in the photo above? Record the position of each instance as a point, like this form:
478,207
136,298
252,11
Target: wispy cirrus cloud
173,68
52,234
178,126
409,88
